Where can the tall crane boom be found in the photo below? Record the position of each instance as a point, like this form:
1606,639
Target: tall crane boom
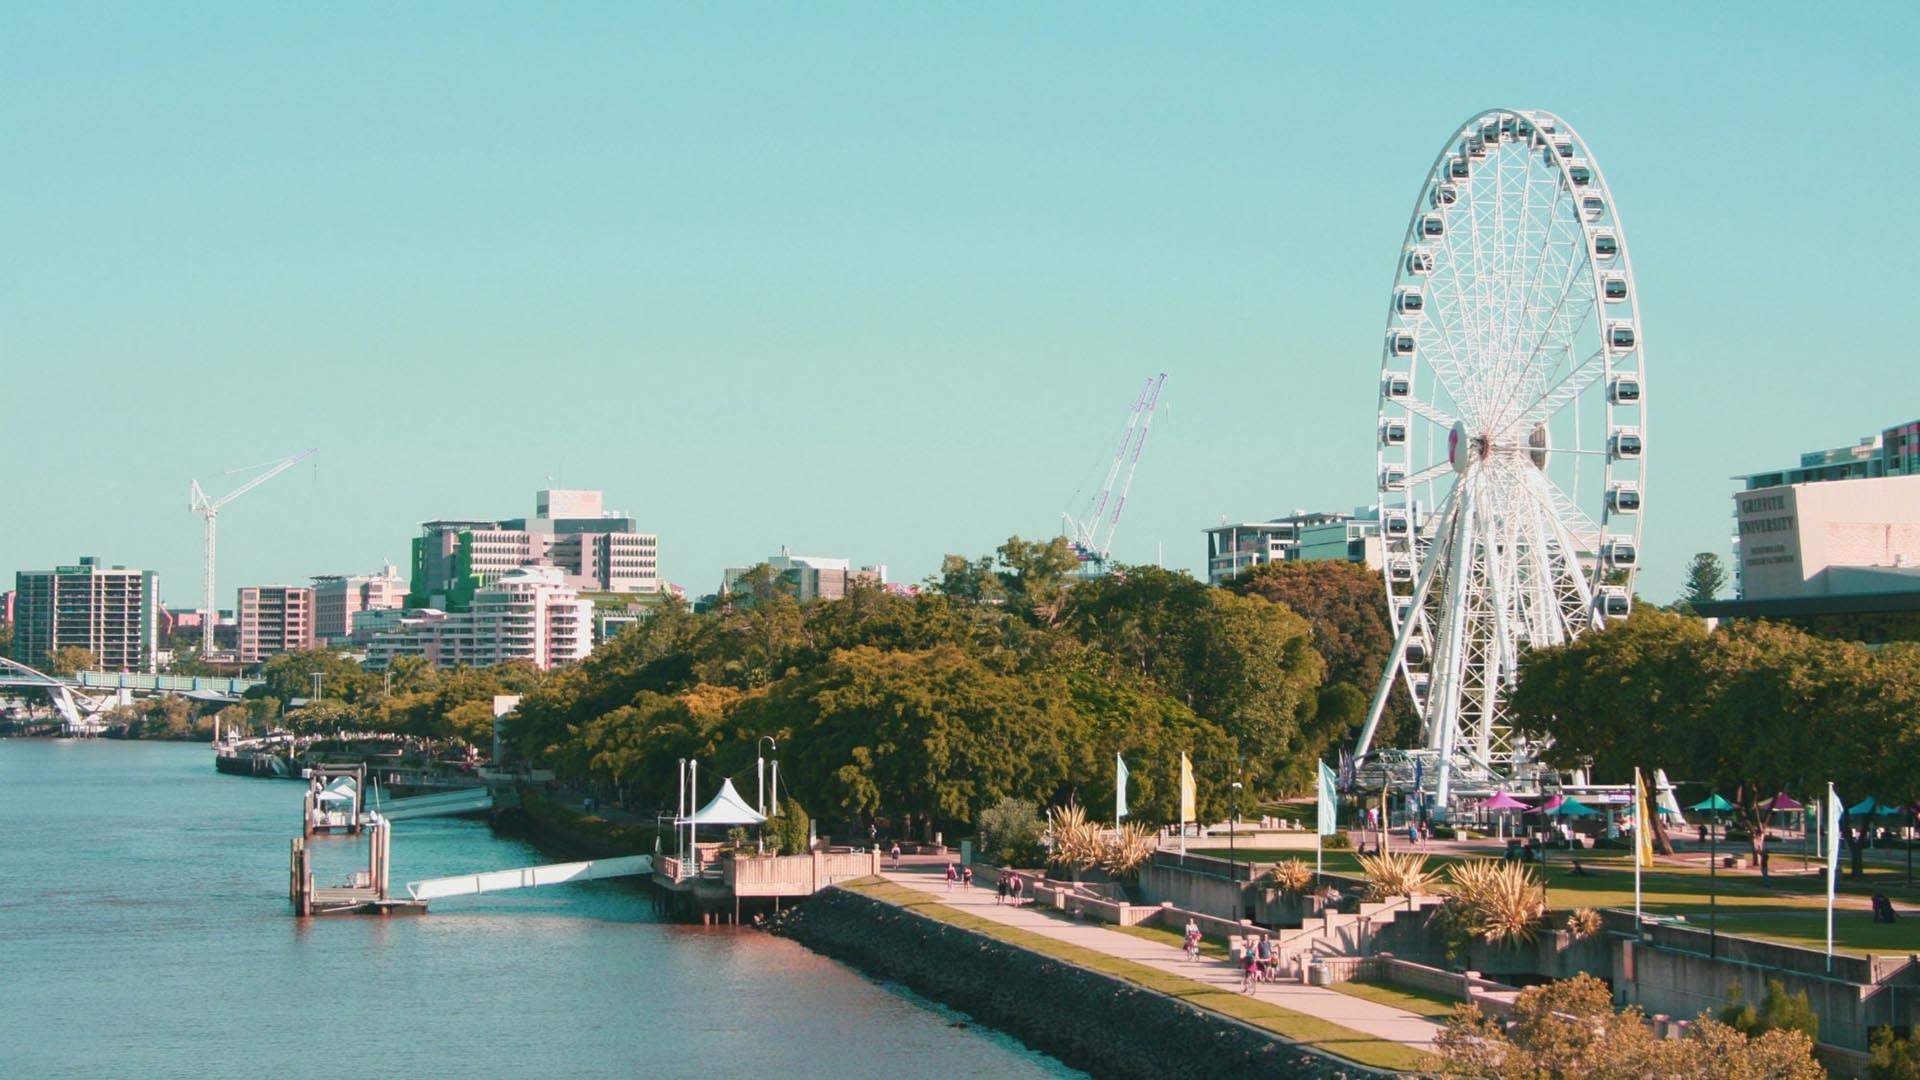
208,507
1092,535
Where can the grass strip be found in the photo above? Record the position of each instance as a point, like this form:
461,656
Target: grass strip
1291,1025
1215,949
1430,1004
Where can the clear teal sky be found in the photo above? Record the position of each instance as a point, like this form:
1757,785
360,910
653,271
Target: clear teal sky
875,280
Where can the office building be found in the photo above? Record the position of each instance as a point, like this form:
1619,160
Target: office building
273,619
337,598
596,550
1895,451
1301,536
810,577
112,612
528,614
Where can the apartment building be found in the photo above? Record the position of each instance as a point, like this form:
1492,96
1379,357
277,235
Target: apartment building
273,619
110,611
529,614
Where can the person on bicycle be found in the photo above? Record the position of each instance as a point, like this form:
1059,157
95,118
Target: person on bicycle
1192,939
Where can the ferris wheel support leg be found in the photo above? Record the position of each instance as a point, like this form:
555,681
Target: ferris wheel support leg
1448,692
1392,667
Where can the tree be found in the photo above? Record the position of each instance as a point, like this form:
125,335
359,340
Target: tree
1705,578
1035,575
1778,1011
1892,1058
70,660
1569,1028
1010,832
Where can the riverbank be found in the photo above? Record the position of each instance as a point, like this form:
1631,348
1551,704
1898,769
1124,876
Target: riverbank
561,831
1110,1017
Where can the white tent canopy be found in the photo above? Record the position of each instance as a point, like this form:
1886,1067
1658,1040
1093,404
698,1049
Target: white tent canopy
332,795
726,808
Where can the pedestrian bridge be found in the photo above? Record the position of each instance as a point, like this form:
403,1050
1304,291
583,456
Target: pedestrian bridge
530,876
439,804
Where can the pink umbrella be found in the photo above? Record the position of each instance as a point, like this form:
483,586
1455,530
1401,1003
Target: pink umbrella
1553,801
1504,801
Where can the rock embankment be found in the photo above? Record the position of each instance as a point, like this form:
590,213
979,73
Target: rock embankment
1091,1021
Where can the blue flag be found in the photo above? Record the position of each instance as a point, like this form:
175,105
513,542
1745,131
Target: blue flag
1119,787
1327,807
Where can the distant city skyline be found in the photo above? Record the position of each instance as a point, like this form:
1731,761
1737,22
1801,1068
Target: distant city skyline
878,285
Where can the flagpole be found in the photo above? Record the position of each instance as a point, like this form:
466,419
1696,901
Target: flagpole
1639,838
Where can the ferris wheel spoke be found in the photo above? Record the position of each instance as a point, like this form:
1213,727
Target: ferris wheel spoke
1437,416
1563,393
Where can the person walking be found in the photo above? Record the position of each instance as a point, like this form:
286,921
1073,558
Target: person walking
1413,834
1015,888
966,878
951,875
895,852
1263,952
1002,898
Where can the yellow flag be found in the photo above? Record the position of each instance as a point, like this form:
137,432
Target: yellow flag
1642,823
1187,793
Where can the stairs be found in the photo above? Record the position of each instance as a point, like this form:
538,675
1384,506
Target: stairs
1332,933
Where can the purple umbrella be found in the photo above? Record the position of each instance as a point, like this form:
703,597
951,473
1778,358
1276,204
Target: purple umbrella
1504,801
1784,801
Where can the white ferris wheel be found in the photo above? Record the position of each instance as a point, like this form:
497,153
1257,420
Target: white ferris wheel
1511,441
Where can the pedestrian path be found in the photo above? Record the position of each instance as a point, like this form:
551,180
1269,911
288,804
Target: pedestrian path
1358,1014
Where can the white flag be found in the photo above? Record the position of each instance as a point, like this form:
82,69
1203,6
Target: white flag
1832,812
1119,787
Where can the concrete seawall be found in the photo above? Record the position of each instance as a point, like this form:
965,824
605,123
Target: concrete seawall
1091,1021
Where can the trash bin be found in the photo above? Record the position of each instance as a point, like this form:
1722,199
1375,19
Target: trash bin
1319,975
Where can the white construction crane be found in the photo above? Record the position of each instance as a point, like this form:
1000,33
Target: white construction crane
209,507
1090,535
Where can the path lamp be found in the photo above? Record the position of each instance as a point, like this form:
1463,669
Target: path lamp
1233,832
760,784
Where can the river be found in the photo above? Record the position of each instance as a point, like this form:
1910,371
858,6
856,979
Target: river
145,932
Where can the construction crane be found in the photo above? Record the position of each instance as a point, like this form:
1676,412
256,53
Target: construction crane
203,504
1092,533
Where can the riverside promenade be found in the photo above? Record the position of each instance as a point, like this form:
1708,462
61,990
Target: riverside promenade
1358,1014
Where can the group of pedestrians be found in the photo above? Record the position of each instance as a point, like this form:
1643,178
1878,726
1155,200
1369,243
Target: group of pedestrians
959,875
1012,889
1261,963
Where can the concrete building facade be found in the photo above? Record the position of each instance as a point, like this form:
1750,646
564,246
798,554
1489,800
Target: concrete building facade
811,577
273,619
1300,536
112,612
530,614
337,598
597,550
1829,538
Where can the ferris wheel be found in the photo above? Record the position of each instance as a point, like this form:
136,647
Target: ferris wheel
1511,440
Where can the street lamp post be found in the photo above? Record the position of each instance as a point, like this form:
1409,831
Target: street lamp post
760,784
1233,833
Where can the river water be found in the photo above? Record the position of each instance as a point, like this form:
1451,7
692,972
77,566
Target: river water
145,932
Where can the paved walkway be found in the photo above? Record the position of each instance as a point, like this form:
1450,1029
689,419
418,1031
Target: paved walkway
1358,1014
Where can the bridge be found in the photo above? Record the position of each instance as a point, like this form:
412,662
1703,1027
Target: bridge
79,713
474,800
200,687
527,877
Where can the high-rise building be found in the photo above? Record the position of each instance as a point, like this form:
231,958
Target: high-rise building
811,577
528,614
338,597
273,619
596,549
1300,536
112,612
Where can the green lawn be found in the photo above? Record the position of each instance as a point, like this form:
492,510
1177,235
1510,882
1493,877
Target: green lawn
1787,908
1294,1026
1433,1006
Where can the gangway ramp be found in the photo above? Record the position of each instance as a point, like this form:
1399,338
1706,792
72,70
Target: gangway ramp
439,804
529,876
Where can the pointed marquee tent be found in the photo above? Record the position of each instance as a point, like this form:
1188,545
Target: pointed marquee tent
726,809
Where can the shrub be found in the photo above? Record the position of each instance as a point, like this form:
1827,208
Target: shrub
1291,876
1892,1059
1391,874
1075,841
789,828
1500,903
1010,833
1128,850
1583,923
1337,842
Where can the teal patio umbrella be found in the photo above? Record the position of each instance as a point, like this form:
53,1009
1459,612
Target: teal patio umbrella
1713,803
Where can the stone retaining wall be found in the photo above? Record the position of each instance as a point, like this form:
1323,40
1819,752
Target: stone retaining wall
1091,1021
